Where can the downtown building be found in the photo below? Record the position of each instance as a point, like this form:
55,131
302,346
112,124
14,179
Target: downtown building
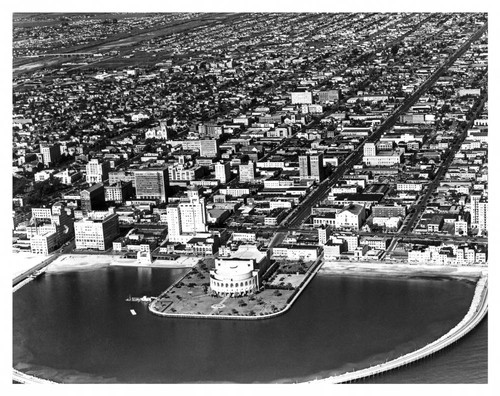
186,220
151,183
247,172
223,172
51,153
96,231
96,171
48,229
311,167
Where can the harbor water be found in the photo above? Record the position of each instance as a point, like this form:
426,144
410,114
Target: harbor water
76,327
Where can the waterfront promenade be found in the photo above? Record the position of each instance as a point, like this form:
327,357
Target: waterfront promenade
214,315
477,311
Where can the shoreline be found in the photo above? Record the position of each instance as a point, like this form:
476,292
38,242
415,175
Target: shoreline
401,271
82,262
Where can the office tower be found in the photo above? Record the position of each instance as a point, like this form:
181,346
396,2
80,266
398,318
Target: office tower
316,167
151,183
482,215
186,218
304,166
311,167
96,231
223,172
475,198
93,198
247,172
96,171
51,153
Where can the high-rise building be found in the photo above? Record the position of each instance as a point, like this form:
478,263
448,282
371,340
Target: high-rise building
151,183
51,153
96,171
312,167
317,167
475,197
187,218
324,233
247,172
483,215
96,231
93,198
304,166
223,172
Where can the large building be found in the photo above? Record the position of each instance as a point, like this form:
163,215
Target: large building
119,191
239,274
209,148
96,231
301,97
223,172
151,183
186,219
44,243
384,158
350,218
48,229
247,172
50,153
311,167
93,198
331,95
96,171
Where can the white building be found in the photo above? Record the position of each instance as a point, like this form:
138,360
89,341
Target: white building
301,97
186,219
44,243
385,158
96,231
223,172
96,172
238,275
350,218
247,172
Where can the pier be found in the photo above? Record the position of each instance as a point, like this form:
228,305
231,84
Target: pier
477,311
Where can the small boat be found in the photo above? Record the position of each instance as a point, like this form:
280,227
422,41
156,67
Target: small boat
133,312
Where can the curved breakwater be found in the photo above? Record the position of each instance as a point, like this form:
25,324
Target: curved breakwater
476,312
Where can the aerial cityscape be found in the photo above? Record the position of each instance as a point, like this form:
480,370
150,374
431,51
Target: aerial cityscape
315,184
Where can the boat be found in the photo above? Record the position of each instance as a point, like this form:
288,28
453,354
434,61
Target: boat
144,299
133,312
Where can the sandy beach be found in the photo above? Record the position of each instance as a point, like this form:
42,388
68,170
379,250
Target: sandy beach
373,269
82,262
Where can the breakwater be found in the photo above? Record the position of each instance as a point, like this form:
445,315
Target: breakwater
476,312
